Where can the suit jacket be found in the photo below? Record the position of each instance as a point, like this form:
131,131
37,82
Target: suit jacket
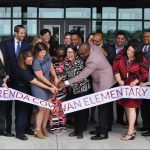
12,60
111,53
100,70
3,67
147,55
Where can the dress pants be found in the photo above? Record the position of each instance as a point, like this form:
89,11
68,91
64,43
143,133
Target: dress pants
2,116
21,111
80,117
104,118
145,113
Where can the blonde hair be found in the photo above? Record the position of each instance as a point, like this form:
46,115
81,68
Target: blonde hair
36,38
22,57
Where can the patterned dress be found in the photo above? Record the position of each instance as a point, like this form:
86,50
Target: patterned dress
129,71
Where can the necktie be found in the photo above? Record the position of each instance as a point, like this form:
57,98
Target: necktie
18,48
145,49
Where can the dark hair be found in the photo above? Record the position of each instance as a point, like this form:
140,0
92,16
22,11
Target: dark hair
22,57
39,47
67,33
60,47
44,31
74,32
89,36
120,33
137,49
146,30
73,47
17,27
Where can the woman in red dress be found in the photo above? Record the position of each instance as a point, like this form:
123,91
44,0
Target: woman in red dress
130,68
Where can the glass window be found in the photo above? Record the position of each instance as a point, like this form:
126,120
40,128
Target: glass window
97,13
130,26
146,25
51,12
78,13
31,27
32,12
147,14
5,27
109,12
16,22
17,12
108,26
130,13
96,26
5,12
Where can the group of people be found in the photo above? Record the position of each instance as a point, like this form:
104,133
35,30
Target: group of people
71,70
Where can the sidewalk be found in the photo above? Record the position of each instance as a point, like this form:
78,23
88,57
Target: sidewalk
63,141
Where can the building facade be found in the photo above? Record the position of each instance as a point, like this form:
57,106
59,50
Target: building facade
86,16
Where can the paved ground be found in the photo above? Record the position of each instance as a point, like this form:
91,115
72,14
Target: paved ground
63,141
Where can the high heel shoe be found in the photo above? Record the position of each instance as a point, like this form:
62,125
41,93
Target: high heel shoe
130,136
45,132
39,134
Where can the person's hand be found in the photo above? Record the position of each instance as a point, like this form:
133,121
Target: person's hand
143,84
6,78
61,85
56,81
132,84
54,90
121,82
5,85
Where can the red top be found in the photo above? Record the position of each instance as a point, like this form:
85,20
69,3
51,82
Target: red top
129,71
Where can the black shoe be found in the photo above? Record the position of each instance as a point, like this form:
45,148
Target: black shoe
74,133
3,133
9,134
80,136
94,132
146,133
23,137
99,137
30,132
142,129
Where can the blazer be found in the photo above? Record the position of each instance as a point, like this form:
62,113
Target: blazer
12,60
147,55
100,70
3,67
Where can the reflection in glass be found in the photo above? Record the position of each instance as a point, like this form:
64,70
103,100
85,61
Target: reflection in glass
16,22
146,25
109,12
31,27
108,26
32,12
96,26
17,12
147,13
5,12
5,27
130,25
130,13
51,12
97,13
78,13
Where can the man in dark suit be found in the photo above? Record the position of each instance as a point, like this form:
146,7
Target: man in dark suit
12,48
145,108
113,50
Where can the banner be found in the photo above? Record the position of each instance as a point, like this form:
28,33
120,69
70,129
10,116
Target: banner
7,94
106,96
83,102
